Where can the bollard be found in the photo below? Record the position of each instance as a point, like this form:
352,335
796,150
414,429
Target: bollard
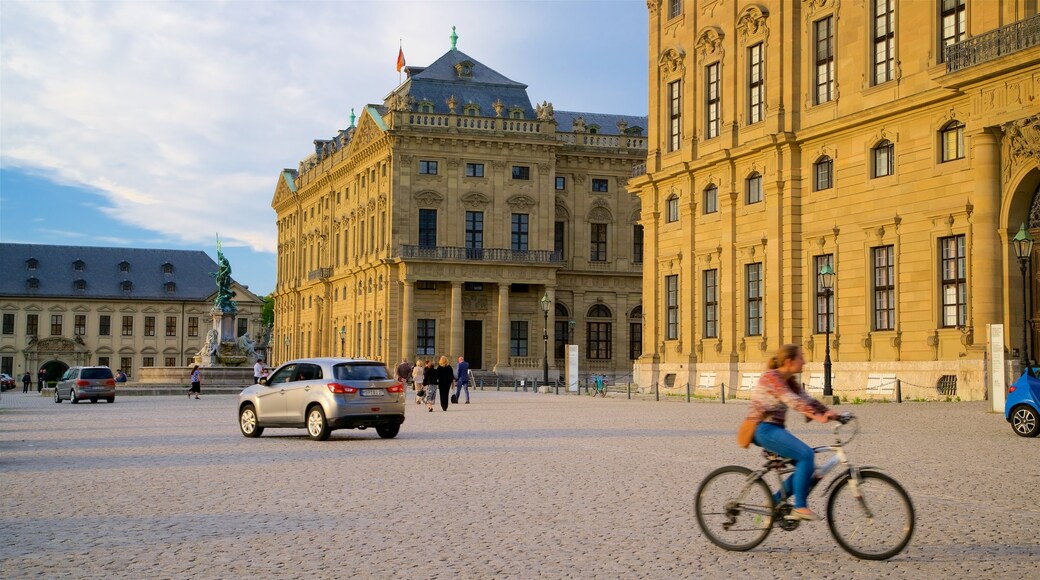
899,391
657,391
629,390
687,392
722,392
557,387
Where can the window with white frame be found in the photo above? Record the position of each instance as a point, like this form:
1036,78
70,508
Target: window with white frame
671,306
823,173
674,115
712,101
711,199
753,281
672,212
883,258
756,84
952,141
954,281
884,40
884,158
823,73
753,188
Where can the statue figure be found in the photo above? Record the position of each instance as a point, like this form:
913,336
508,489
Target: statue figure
544,112
245,346
224,301
212,342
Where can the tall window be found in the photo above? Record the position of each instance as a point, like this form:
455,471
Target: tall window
672,213
637,244
104,325
600,185
128,326
522,172
79,325
754,188
104,361
756,85
671,307
884,159
884,288
148,361
8,323
56,325
559,237
635,333
711,303
674,8
884,40
674,115
598,336
713,102
519,232
824,302
243,326
953,25
517,338
427,167
711,199
952,141
561,183
753,277
823,37
474,170
425,336
823,174
149,326
171,326
126,363
427,228
598,243
32,324
474,234
954,282
193,326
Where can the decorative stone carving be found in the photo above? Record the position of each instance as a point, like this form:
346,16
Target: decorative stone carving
544,112
1021,143
600,214
428,198
653,5
474,200
709,43
453,162
452,102
521,202
499,106
672,60
752,21
578,125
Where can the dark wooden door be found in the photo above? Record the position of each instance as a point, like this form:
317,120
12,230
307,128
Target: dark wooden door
474,343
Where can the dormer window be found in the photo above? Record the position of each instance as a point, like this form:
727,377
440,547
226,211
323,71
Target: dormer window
170,287
80,285
167,268
79,265
124,266
593,129
424,106
516,113
32,283
464,69
31,264
471,110
127,285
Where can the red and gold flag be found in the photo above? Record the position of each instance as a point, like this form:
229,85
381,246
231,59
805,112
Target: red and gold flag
400,59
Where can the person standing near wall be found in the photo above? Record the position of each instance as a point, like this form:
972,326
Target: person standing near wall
42,378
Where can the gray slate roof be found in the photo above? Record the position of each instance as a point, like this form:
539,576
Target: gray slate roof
439,81
607,123
56,274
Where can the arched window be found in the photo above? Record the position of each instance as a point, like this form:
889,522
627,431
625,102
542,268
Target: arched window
167,268
711,199
599,333
672,205
951,141
884,158
561,330
753,188
823,173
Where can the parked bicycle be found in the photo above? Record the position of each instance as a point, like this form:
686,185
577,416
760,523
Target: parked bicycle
869,514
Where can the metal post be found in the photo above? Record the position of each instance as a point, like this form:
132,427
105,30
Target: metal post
545,347
722,391
630,390
657,391
827,392
899,391
1023,262
687,392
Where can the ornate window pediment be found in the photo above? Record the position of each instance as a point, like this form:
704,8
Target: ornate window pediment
428,198
475,200
709,43
521,202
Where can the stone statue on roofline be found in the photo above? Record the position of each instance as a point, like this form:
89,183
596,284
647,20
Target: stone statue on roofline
544,112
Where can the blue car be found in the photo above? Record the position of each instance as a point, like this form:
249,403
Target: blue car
1022,408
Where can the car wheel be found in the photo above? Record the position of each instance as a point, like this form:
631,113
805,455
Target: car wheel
111,399
57,395
1025,422
317,426
388,431
72,396
248,422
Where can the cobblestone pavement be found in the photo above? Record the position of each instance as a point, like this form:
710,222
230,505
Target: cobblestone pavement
514,485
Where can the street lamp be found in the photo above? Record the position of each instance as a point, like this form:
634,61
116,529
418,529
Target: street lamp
285,355
545,337
826,278
1024,250
342,338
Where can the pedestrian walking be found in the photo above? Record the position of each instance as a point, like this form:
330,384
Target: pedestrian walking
26,382
462,380
445,378
417,381
196,382
42,378
258,370
429,385
403,371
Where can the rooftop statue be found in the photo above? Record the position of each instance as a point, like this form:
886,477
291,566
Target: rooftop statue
224,301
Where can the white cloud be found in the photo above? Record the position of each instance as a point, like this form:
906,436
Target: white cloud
182,114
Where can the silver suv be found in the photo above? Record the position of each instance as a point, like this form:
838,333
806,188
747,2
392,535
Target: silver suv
324,394
79,383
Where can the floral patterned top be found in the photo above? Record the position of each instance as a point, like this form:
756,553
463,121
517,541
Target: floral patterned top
196,376
773,395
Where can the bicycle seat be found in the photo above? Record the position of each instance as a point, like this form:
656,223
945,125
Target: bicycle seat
775,461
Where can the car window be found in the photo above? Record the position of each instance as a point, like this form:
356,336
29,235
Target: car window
96,374
67,375
307,372
372,371
282,375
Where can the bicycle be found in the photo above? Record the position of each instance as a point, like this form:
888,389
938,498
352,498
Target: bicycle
869,513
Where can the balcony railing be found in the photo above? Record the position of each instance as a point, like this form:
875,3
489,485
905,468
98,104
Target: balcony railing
597,140
480,254
638,170
993,44
320,274
472,123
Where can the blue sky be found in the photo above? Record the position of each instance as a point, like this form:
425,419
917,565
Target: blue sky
163,124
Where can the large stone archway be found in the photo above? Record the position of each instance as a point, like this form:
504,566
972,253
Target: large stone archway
55,354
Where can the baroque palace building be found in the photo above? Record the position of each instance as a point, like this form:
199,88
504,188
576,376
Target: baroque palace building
896,142
125,308
442,221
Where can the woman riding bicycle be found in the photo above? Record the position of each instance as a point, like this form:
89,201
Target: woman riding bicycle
775,392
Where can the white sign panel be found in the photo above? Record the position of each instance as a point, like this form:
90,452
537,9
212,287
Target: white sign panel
997,388
706,381
749,380
572,368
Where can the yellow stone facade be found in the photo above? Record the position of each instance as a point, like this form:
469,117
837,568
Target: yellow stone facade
787,133
361,272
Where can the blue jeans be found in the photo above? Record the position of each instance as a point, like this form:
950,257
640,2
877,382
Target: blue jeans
780,441
459,387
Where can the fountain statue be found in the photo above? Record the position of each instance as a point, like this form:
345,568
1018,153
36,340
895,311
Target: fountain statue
222,347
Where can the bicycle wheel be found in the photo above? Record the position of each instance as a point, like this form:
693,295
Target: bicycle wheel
876,525
734,510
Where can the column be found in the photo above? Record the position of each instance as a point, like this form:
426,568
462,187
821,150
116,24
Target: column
550,328
408,322
455,340
987,247
502,348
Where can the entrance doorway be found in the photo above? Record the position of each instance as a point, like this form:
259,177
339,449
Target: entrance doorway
55,369
473,343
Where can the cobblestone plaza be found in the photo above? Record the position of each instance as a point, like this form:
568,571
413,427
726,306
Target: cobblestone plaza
515,485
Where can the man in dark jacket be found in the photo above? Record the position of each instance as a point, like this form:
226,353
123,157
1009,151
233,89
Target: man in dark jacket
462,382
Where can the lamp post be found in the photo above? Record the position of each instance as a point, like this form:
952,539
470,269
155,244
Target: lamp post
545,336
1024,250
342,338
826,278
